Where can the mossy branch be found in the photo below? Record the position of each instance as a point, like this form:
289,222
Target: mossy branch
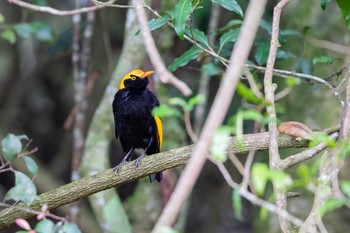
107,179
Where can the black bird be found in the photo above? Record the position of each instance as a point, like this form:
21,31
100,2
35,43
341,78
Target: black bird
135,126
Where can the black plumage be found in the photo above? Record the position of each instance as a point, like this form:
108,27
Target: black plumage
135,126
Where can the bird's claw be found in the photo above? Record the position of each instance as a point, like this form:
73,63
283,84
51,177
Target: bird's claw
137,162
117,168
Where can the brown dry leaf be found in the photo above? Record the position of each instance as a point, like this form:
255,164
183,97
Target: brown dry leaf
296,129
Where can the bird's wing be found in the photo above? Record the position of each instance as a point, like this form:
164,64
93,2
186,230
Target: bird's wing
159,132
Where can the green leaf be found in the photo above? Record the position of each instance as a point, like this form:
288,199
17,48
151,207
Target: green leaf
230,36
262,52
211,69
322,59
11,147
165,111
45,226
330,205
9,35
24,190
345,9
42,32
252,114
198,35
23,30
2,18
248,94
156,23
231,24
71,228
31,165
237,204
304,173
280,178
291,82
319,137
189,55
230,5
324,3
220,143
260,175
345,187
193,101
177,101
181,14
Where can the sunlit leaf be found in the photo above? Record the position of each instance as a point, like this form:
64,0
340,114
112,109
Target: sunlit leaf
9,35
181,14
31,165
24,190
322,59
220,143
280,179
11,147
45,226
165,111
230,36
320,137
248,94
177,101
330,205
345,187
260,176
237,204
2,18
230,5
304,173
187,56
193,101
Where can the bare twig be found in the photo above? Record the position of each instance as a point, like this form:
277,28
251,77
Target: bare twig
270,87
53,11
255,199
247,166
305,155
164,75
216,115
338,48
189,128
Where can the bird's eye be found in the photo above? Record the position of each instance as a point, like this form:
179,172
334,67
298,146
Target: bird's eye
133,77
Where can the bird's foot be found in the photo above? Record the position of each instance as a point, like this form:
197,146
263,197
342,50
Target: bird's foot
118,167
138,160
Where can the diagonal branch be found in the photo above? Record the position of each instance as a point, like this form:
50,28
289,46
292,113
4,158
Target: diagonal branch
107,179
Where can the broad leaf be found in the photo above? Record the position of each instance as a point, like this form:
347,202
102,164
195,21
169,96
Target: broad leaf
31,165
198,35
24,189
70,228
322,59
248,94
181,14
345,9
189,55
45,226
260,176
324,3
2,18
330,205
230,36
156,23
9,35
230,5
211,69
11,147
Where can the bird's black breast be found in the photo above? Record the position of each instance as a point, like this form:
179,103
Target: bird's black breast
134,123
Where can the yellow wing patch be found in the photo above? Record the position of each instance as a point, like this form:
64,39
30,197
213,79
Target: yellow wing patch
159,130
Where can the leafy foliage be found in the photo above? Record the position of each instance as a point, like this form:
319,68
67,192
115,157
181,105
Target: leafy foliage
24,190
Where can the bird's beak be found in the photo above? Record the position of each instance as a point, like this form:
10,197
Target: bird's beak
146,74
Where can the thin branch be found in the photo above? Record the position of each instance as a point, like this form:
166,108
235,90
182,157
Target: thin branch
247,166
305,155
270,87
107,179
255,199
216,115
53,11
338,48
164,75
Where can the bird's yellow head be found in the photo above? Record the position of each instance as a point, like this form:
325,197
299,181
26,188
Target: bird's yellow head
135,79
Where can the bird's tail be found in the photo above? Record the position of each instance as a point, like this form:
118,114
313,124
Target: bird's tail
156,176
